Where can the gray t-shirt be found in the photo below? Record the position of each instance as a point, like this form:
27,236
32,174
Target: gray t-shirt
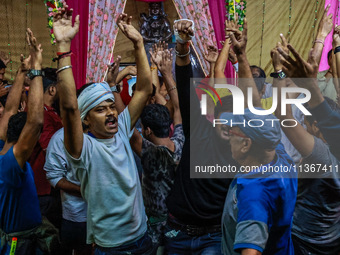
110,184
159,164
57,167
317,212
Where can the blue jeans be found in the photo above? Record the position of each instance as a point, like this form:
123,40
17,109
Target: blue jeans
178,242
142,246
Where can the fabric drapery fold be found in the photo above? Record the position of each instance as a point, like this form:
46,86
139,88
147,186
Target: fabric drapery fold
218,17
102,36
79,43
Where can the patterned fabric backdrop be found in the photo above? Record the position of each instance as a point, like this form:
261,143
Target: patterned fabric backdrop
198,11
102,36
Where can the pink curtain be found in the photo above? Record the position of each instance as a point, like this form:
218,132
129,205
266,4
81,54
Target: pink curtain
151,1
79,43
102,34
218,10
199,12
328,42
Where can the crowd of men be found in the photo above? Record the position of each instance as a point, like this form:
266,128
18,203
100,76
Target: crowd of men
101,171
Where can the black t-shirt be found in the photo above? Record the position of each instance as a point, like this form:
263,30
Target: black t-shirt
197,201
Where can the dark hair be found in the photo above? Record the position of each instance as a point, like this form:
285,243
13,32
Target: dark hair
15,125
153,89
227,106
49,77
259,81
161,80
81,89
3,100
334,106
2,64
157,118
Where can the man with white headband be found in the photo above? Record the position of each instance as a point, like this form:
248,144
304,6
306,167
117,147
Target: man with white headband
103,160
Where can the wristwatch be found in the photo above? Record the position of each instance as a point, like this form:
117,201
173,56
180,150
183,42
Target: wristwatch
116,88
34,73
280,74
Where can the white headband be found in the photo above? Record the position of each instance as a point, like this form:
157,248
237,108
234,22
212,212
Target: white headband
93,96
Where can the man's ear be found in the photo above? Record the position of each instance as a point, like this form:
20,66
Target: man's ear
148,131
52,90
246,145
86,121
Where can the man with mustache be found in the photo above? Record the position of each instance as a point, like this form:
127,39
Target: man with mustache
103,160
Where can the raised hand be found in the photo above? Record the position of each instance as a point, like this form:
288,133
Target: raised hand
113,71
35,50
299,68
212,54
238,38
231,24
284,44
25,63
62,25
277,59
124,24
156,52
232,56
184,29
4,58
165,65
325,25
276,56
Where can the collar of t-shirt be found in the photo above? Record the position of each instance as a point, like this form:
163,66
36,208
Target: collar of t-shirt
107,141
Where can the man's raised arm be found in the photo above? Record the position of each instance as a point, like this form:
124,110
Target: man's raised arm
297,135
165,68
184,30
64,33
144,83
239,42
325,27
35,116
13,99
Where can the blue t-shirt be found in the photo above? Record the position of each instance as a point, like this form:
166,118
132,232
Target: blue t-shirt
19,204
258,212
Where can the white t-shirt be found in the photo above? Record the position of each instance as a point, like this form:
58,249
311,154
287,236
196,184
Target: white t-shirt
111,187
57,167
